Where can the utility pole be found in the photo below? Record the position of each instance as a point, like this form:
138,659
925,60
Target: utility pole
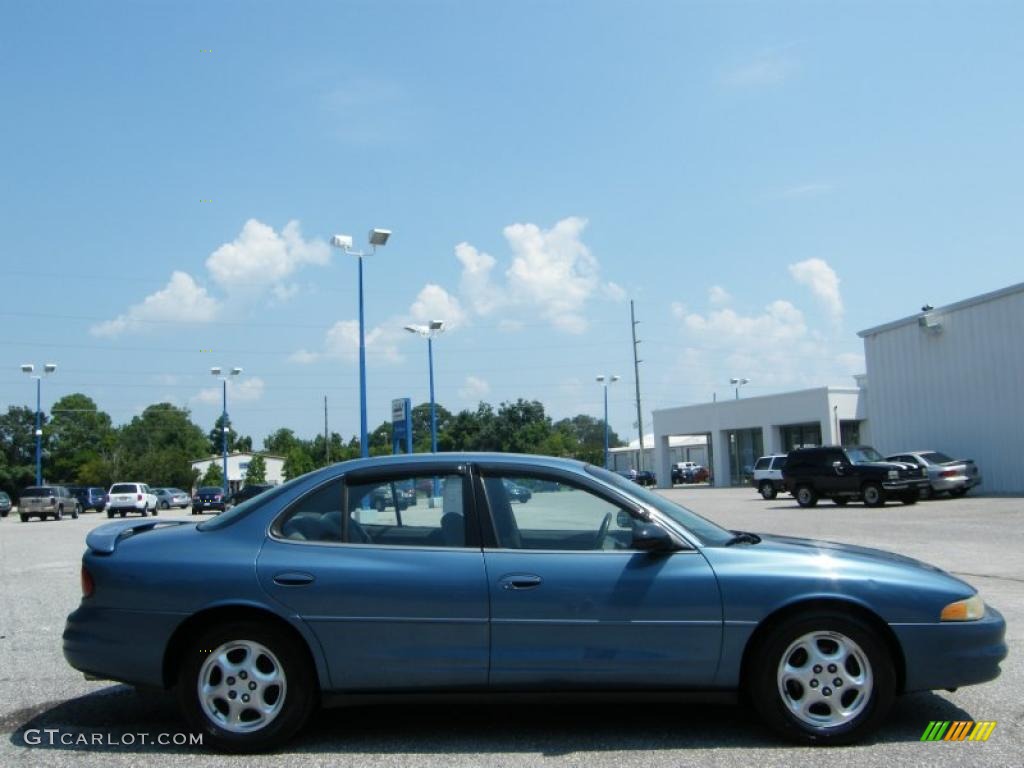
327,436
636,373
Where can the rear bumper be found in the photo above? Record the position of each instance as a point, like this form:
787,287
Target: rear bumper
952,654
112,644
941,484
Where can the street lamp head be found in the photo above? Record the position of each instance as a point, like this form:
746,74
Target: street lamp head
615,378
27,368
215,370
49,368
422,330
342,241
437,325
235,371
599,378
379,236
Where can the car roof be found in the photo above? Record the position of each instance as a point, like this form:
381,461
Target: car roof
375,462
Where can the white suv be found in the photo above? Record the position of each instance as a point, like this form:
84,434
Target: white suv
768,475
123,498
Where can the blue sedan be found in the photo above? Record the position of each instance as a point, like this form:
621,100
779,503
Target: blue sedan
313,590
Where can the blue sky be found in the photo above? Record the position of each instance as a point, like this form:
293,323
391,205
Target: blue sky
764,179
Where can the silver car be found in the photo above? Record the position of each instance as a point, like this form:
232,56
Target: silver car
945,475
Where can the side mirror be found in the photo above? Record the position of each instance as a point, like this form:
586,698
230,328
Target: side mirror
651,537
838,467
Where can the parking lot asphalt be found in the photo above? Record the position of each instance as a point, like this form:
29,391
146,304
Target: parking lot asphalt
980,539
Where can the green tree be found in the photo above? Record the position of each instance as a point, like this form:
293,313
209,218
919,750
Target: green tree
296,463
236,442
214,476
18,448
280,442
158,447
421,426
257,471
82,441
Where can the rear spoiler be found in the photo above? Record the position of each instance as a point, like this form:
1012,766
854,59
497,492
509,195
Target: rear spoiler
103,540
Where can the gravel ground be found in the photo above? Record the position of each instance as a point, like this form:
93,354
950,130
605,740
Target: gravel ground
980,539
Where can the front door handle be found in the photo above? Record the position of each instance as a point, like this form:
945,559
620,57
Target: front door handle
520,581
293,579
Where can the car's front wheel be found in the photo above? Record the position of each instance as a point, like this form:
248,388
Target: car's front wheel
767,490
872,493
822,679
76,511
247,687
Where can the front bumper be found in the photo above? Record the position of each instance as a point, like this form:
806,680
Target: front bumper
904,485
950,654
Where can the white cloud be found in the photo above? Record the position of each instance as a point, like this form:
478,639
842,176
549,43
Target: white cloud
679,310
779,323
260,258
768,68
474,388
718,296
817,275
435,303
614,292
181,300
552,271
476,286
245,390
381,341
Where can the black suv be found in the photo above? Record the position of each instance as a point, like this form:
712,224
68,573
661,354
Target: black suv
245,493
845,474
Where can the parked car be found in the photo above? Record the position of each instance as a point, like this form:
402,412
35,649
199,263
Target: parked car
45,501
123,498
245,493
166,498
302,596
701,475
89,497
685,472
517,492
945,475
768,475
5,504
209,497
852,473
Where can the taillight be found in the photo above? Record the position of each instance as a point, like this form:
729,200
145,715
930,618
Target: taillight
139,497
87,583
106,498
949,473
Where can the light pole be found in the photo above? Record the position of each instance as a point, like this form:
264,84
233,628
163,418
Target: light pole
216,371
377,237
48,368
739,383
428,332
605,381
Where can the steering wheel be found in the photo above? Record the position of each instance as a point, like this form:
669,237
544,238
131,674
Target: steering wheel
603,531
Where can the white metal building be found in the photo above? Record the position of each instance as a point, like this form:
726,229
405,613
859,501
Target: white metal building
238,463
739,431
952,379
681,448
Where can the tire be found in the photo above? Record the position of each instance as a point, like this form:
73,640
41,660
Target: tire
909,498
281,664
24,518
840,501
872,495
123,513
958,492
155,511
77,510
164,505
806,496
783,676
110,514
767,490
60,514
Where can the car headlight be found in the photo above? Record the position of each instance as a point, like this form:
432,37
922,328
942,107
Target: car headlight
971,609
894,474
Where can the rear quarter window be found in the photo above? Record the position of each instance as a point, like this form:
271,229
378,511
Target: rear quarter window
762,463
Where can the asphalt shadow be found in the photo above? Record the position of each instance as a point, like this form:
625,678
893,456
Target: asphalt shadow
534,725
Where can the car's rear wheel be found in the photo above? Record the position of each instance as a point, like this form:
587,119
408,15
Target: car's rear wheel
822,679
164,505
110,514
24,518
958,492
767,489
872,493
76,511
247,687
60,514
123,513
806,496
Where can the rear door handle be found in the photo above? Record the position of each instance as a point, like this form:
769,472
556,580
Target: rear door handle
520,581
293,579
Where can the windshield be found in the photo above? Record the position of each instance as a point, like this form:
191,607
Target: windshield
934,457
705,530
124,488
863,454
210,489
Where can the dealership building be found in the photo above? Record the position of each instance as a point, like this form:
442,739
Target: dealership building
949,379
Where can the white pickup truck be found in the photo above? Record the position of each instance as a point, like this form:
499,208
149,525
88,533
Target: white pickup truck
123,498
